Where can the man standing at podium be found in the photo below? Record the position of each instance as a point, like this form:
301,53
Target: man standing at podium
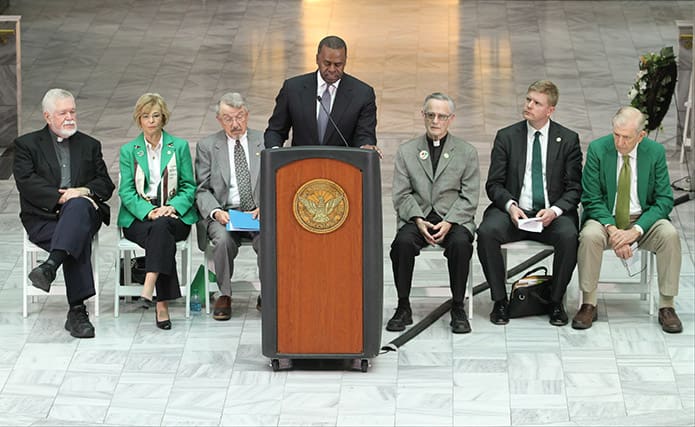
436,183
325,107
227,165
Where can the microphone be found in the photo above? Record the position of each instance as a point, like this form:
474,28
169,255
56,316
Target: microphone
328,113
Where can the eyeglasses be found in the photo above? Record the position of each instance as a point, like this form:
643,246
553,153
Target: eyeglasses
153,116
441,117
239,118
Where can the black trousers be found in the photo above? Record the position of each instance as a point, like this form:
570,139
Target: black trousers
72,232
497,228
458,249
159,238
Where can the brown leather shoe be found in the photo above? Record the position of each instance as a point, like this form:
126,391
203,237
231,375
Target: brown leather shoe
585,317
669,321
223,308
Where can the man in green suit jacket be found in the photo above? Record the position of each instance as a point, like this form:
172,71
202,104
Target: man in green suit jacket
650,202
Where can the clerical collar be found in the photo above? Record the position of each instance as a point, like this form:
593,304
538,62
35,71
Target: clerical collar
437,143
55,136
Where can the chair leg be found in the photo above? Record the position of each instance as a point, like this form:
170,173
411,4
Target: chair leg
469,291
117,284
206,271
25,281
95,266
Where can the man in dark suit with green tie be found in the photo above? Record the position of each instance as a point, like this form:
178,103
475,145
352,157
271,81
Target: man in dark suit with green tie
535,171
627,199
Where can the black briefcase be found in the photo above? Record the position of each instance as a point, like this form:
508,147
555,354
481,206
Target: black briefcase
531,294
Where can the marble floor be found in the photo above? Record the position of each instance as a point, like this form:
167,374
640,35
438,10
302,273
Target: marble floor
622,371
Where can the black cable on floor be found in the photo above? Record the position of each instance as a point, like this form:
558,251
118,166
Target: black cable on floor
446,305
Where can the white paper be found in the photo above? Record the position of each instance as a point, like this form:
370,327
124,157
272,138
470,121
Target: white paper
534,225
633,265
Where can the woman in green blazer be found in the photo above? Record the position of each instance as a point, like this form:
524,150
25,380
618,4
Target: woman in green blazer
157,191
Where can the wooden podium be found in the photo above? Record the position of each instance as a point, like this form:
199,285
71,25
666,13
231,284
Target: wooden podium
321,253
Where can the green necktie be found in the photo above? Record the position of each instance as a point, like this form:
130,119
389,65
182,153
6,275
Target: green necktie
537,174
622,204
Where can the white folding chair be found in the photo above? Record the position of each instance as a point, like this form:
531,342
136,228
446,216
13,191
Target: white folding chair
30,260
643,286
128,249
439,278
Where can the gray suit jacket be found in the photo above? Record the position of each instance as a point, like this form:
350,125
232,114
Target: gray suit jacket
453,192
212,173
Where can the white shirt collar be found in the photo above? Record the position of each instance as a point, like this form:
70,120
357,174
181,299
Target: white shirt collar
321,84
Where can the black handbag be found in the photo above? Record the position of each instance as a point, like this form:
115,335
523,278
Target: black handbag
531,294
137,270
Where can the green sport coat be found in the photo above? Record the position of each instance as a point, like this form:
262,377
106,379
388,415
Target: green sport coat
599,182
135,206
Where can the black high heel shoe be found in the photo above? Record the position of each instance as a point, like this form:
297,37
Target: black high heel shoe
148,303
162,324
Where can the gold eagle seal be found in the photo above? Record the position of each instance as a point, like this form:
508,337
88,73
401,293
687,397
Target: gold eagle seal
320,206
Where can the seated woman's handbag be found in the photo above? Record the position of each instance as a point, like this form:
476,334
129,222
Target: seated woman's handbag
137,270
531,294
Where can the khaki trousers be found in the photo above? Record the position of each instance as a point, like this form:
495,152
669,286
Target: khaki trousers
662,239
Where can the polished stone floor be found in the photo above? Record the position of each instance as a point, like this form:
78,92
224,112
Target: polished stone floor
623,371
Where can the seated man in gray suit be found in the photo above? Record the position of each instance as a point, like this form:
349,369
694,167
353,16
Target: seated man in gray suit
227,166
436,184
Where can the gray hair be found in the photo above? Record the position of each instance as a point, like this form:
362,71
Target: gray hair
49,99
626,116
440,97
232,99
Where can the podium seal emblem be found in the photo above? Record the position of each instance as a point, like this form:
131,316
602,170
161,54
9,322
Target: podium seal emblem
320,206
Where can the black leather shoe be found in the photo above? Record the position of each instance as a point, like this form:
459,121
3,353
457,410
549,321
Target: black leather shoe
78,323
459,320
258,303
43,275
402,317
147,303
162,324
500,313
558,317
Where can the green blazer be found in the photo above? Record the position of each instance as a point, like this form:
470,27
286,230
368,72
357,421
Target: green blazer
132,204
599,182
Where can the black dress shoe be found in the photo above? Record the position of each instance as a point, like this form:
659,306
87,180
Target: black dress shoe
43,275
162,324
147,303
558,317
500,313
258,303
78,322
459,320
402,317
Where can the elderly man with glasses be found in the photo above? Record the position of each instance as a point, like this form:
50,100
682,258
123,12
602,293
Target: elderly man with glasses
227,166
436,183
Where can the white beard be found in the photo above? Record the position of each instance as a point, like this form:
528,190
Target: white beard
67,132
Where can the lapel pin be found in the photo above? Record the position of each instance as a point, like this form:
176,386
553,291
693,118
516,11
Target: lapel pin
171,144
424,154
558,139
446,155
168,151
141,153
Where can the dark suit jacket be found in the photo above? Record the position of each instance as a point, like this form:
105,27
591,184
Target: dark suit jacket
354,112
599,182
37,174
563,167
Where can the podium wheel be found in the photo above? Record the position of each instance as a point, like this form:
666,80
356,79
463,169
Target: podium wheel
275,363
364,365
